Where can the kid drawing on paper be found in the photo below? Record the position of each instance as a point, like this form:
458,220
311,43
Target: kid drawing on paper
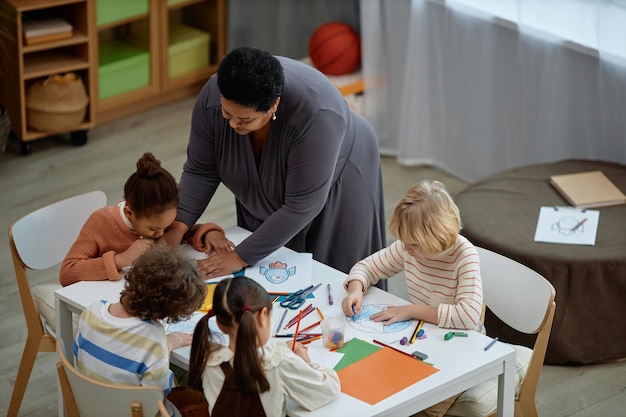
277,272
362,320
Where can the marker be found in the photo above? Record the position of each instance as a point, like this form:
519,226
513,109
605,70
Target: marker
302,334
450,335
353,312
493,342
330,294
580,223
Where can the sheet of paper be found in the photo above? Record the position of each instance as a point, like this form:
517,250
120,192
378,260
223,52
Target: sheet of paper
324,357
283,271
382,374
567,225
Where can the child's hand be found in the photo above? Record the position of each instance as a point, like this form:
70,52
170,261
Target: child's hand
352,303
301,351
178,339
394,314
135,250
216,240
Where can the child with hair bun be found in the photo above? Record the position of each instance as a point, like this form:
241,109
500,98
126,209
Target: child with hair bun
114,236
249,377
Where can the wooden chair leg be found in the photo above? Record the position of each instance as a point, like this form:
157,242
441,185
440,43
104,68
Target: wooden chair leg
31,348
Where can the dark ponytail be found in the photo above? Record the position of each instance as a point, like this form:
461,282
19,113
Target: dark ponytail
236,302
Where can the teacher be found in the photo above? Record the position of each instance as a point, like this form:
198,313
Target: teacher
304,168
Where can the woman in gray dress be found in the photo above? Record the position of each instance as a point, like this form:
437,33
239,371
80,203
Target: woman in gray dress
304,168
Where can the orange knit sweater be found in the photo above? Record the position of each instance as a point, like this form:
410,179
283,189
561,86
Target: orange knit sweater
104,234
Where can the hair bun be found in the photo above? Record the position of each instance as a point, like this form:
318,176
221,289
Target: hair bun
148,165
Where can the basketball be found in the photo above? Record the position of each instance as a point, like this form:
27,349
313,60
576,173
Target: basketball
335,49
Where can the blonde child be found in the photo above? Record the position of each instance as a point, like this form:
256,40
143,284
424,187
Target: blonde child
441,267
113,237
124,342
250,377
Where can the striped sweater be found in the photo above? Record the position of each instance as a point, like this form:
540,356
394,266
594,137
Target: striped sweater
104,234
449,280
122,351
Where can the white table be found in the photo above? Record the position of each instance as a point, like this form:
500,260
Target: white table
462,361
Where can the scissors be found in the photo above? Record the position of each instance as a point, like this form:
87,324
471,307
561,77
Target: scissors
296,299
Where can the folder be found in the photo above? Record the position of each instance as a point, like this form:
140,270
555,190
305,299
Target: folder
588,189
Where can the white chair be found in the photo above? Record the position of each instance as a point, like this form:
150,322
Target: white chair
524,300
38,241
86,397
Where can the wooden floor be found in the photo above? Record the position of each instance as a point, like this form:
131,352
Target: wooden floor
56,170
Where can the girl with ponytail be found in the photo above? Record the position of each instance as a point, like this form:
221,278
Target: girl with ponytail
251,377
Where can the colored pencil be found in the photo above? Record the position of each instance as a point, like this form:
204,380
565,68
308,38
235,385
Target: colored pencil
420,323
311,339
281,320
295,335
320,313
307,310
301,334
317,323
391,347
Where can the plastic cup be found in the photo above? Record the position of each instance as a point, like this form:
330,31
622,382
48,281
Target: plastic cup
333,330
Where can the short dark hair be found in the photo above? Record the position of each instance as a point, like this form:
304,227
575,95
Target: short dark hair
163,284
151,189
251,78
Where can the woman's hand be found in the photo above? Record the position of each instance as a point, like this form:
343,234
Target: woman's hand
217,241
221,263
301,351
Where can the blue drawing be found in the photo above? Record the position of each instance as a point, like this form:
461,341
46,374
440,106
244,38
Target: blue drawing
277,272
363,322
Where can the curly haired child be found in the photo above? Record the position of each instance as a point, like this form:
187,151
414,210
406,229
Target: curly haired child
124,342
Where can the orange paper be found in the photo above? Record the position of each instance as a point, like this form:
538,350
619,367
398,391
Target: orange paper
382,374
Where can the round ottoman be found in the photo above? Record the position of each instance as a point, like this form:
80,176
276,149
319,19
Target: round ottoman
500,213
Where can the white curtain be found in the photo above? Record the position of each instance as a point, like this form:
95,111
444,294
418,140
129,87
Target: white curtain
479,86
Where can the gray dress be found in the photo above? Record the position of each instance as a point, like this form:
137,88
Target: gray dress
318,185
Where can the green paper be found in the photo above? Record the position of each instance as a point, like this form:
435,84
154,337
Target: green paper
353,351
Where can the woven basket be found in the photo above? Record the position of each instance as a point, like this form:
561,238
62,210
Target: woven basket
56,104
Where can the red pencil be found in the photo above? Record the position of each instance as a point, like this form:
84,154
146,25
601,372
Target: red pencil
311,326
295,335
307,310
391,347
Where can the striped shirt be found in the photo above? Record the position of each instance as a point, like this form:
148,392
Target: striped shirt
449,280
122,351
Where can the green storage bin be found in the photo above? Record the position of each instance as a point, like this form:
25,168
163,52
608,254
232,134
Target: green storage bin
122,68
108,11
188,49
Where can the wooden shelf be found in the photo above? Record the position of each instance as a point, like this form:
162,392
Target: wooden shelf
50,62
